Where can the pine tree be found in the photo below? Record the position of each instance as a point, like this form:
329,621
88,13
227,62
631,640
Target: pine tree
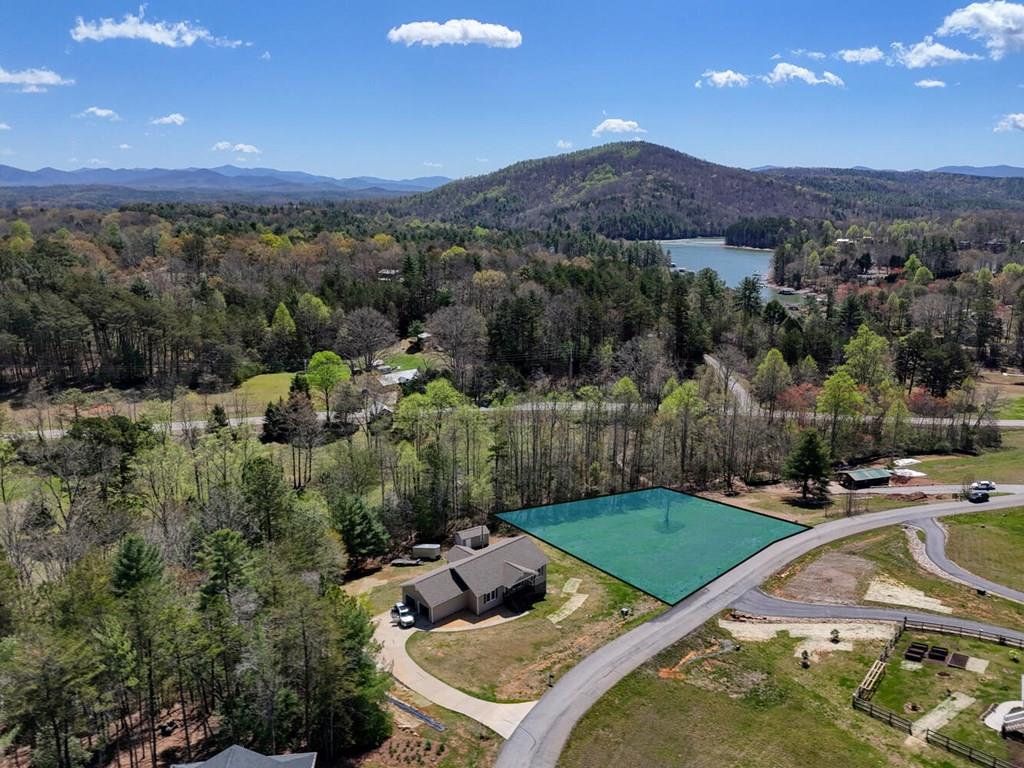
808,466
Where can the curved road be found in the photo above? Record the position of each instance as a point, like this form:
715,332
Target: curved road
541,736
935,546
758,603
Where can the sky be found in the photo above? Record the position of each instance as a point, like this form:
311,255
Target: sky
405,89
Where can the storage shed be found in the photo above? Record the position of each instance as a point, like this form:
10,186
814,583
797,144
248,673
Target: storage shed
477,537
853,479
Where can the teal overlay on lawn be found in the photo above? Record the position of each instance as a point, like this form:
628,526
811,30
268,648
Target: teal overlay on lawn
666,543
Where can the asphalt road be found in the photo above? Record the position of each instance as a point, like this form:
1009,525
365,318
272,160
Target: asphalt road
935,546
758,603
541,736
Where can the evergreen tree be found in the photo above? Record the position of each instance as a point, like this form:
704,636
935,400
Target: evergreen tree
359,526
808,466
218,419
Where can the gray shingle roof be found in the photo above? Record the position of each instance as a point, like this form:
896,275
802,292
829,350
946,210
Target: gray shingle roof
458,552
476,530
239,757
503,564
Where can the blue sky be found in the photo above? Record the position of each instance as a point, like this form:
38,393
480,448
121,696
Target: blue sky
319,86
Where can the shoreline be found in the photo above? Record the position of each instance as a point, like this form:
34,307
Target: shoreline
720,241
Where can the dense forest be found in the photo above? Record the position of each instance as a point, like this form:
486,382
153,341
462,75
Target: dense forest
162,562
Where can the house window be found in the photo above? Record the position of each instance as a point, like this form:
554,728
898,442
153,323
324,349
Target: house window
491,596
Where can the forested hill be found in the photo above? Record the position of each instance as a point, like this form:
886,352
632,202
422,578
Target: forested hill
638,190
634,190
861,192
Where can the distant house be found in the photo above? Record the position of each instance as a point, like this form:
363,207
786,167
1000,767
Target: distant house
853,479
397,377
479,581
240,757
477,537
389,275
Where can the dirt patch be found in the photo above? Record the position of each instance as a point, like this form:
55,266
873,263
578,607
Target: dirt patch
836,577
885,589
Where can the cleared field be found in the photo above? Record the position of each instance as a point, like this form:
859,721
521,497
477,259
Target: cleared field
753,708
1012,409
990,545
1005,465
513,661
666,543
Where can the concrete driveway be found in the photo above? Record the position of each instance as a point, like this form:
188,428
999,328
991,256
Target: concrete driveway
503,719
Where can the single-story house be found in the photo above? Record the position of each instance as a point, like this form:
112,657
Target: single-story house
479,581
240,757
477,537
863,478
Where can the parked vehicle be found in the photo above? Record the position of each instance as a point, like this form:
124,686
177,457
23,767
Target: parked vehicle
402,615
977,497
983,485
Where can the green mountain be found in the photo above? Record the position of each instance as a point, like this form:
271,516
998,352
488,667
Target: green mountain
634,190
638,190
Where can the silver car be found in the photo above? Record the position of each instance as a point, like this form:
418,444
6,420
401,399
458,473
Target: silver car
402,615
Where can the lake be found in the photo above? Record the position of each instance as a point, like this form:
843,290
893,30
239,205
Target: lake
731,264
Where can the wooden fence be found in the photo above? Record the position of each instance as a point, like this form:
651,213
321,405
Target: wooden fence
887,716
976,756
947,629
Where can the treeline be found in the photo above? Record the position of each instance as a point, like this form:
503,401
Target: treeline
769,232
210,297
146,581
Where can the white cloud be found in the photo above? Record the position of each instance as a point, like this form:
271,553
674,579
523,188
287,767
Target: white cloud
723,78
429,164
785,72
96,161
563,144
776,57
33,80
124,146
228,146
999,23
930,83
175,118
174,34
4,127
7,152
456,32
617,125
861,55
928,53
816,55
482,160
101,112
265,56
1009,123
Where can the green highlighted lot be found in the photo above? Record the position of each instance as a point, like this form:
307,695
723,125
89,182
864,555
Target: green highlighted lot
665,543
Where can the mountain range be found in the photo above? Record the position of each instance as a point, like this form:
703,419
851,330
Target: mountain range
227,178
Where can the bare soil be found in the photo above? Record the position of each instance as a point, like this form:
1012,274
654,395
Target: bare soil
835,577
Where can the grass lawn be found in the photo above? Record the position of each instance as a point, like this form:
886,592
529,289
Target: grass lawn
785,506
404,361
511,662
990,545
754,708
885,552
263,389
1012,409
927,687
1005,465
